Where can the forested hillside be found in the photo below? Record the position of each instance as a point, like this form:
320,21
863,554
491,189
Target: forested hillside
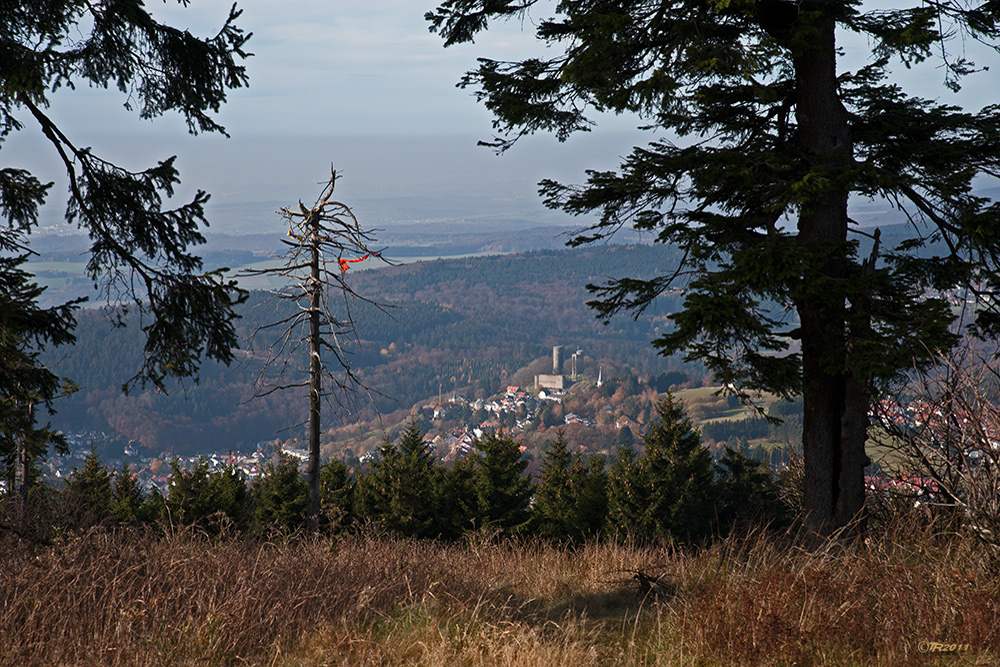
448,325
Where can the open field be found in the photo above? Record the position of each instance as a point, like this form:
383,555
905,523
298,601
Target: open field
908,595
710,394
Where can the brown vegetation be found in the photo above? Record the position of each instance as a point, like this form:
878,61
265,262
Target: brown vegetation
127,599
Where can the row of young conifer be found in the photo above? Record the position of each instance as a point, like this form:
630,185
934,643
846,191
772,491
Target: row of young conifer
674,490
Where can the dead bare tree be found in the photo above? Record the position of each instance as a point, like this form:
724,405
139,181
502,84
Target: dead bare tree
942,433
323,241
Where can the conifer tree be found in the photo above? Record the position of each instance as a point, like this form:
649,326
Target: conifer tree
502,489
400,491
155,508
374,490
590,484
279,496
88,495
682,493
195,494
570,498
25,383
140,251
762,133
228,494
337,492
628,495
554,507
186,500
126,497
459,503
413,505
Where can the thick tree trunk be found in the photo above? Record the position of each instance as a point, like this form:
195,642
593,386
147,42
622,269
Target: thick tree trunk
835,405
315,380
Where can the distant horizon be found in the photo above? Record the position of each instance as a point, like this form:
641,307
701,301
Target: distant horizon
383,107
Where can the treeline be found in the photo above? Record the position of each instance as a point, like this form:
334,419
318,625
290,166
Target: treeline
579,266
673,490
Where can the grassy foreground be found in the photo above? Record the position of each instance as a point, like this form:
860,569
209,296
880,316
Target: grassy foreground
909,595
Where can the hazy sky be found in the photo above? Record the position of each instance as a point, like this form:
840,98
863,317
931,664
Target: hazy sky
362,84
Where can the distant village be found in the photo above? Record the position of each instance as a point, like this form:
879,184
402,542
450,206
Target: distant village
514,411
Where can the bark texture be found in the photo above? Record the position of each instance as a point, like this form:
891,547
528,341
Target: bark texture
835,405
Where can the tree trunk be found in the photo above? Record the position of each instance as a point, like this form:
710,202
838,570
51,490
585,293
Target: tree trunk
23,468
315,379
24,456
835,405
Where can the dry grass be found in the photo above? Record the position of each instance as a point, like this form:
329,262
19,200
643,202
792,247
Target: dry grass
105,599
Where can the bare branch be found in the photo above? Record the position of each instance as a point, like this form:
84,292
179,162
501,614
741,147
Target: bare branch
942,435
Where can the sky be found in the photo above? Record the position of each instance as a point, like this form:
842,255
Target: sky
358,84
364,86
